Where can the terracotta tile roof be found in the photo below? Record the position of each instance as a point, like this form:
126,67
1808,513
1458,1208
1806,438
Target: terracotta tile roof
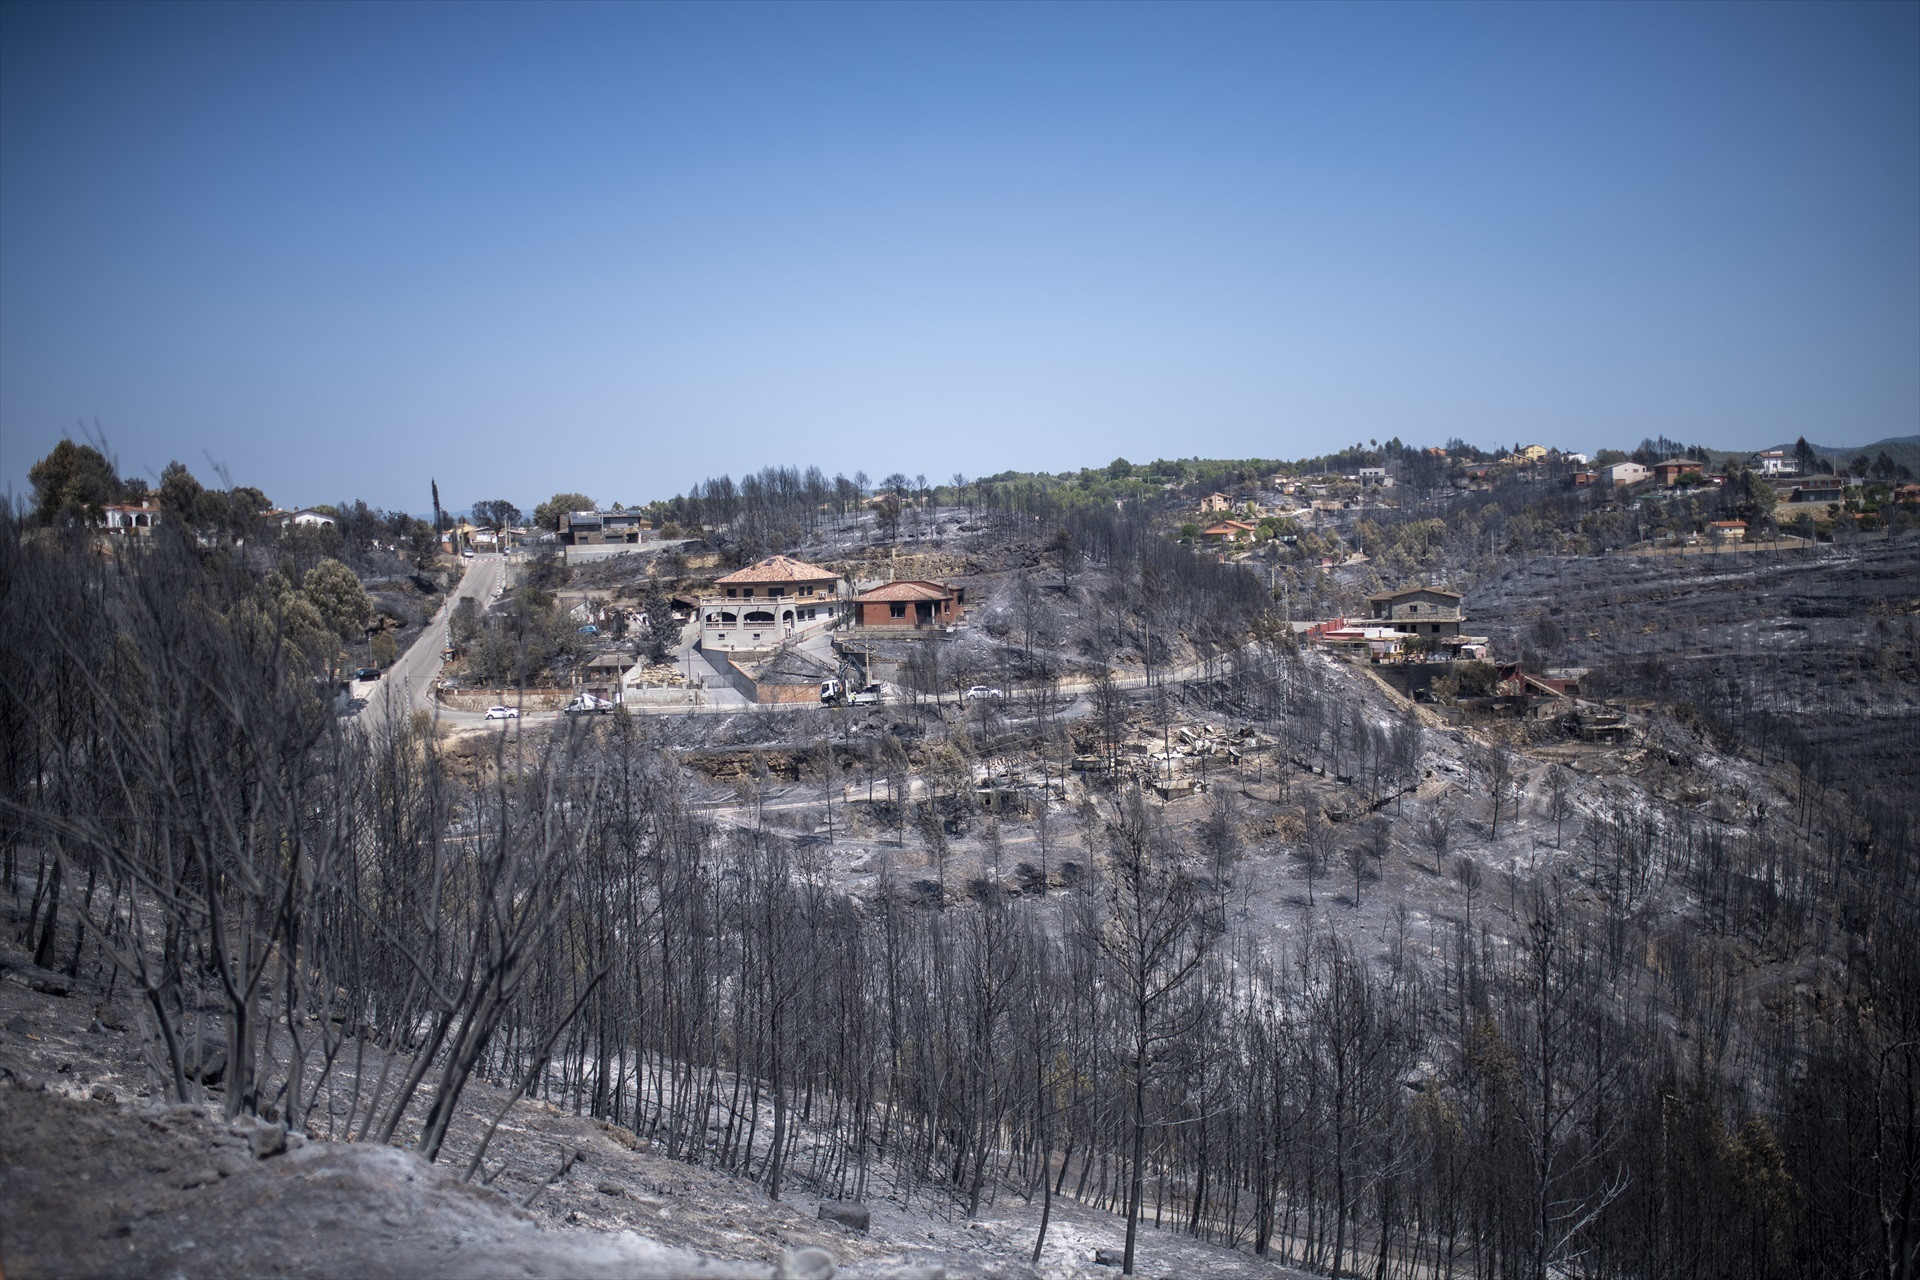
778,569
916,590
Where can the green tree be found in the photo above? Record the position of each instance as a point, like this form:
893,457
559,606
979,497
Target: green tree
74,480
421,542
497,514
342,602
547,514
180,493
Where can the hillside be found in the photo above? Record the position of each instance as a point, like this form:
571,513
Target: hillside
1183,930
1904,450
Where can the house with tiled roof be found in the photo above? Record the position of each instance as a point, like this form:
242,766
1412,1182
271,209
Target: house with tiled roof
771,601
774,573
915,603
1229,531
133,519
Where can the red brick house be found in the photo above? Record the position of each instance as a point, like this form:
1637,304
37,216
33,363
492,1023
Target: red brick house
1670,471
916,603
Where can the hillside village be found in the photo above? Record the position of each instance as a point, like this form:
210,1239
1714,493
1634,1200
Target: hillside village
1376,724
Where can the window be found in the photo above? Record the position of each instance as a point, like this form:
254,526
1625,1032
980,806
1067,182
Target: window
732,592
897,609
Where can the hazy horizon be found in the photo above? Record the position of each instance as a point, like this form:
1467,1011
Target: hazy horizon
619,249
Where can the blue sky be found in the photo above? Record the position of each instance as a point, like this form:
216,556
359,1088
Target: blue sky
339,249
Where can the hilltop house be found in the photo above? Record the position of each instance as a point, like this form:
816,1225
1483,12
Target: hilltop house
1670,471
762,606
135,520
1425,611
597,528
1776,462
1621,474
1214,503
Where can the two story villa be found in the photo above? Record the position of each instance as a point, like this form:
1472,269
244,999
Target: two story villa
762,606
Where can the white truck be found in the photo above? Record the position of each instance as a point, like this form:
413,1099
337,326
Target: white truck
587,703
839,691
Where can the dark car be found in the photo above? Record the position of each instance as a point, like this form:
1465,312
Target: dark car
367,673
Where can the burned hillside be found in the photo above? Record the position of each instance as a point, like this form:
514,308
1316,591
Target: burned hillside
1135,918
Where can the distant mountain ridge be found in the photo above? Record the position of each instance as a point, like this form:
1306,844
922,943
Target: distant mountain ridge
1904,450
1848,450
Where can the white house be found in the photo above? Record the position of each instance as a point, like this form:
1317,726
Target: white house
133,519
1624,473
308,516
1776,462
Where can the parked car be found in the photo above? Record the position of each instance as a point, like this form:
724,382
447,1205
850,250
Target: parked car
367,673
467,554
502,713
589,630
984,691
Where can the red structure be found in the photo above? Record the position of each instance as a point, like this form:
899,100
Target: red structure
910,604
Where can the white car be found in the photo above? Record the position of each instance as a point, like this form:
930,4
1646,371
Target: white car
983,691
502,713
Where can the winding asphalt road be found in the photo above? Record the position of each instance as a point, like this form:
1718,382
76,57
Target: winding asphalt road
407,686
